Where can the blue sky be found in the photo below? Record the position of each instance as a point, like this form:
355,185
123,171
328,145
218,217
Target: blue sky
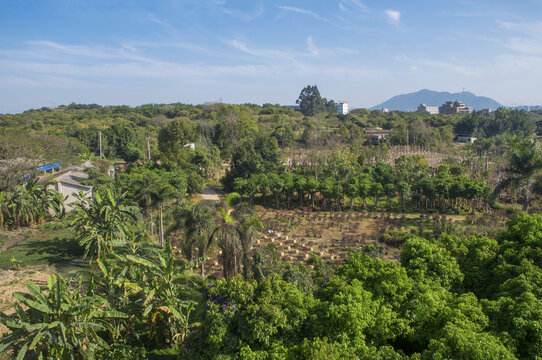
196,51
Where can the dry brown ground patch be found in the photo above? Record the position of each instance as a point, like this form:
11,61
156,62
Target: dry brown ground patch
12,280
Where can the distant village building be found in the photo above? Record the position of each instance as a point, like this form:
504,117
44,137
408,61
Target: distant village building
485,111
465,139
385,110
454,107
433,110
342,107
527,108
377,135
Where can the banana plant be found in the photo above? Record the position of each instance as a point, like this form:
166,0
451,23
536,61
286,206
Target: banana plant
163,302
57,322
102,222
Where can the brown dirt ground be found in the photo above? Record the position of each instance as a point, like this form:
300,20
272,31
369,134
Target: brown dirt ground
297,237
12,280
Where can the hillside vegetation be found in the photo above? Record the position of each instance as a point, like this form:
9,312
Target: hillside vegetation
318,242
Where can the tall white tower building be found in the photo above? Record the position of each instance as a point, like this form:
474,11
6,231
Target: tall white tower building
342,107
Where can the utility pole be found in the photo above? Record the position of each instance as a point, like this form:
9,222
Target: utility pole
407,141
100,141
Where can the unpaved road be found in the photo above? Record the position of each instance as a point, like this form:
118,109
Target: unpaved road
209,193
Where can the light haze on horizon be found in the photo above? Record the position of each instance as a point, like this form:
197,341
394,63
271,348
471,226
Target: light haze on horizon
197,51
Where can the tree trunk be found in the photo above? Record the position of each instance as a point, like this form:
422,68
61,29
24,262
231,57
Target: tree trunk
351,204
526,201
161,228
246,265
152,226
277,200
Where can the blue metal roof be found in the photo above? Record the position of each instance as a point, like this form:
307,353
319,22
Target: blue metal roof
48,167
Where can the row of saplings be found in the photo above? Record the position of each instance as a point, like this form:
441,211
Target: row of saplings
435,192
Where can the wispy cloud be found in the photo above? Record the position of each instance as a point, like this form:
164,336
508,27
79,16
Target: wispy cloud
302,11
394,16
530,28
353,6
343,23
88,67
256,13
295,56
311,47
526,39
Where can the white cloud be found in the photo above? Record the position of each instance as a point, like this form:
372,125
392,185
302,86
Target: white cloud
311,47
527,38
290,56
394,16
533,29
256,13
302,11
353,5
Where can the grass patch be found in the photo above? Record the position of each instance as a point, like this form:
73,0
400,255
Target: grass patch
49,244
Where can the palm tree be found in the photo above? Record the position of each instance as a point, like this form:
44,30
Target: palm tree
524,168
230,244
146,191
163,195
235,234
198,222
248,225
227,234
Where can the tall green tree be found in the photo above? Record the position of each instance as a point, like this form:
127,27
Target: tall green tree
310,102
174,136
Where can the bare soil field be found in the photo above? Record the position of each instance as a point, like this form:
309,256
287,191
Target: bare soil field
296,234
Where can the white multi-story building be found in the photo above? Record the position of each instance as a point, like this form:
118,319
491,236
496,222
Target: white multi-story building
342,107
433,110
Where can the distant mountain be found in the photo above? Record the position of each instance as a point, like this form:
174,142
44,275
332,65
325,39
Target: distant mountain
411,101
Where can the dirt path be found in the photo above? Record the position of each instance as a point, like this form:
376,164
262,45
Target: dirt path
209,193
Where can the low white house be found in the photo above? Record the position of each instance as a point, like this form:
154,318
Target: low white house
68,184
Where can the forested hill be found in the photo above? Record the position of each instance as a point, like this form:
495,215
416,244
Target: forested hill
411,101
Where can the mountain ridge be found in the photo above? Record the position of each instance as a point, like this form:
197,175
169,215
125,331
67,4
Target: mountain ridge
411,101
